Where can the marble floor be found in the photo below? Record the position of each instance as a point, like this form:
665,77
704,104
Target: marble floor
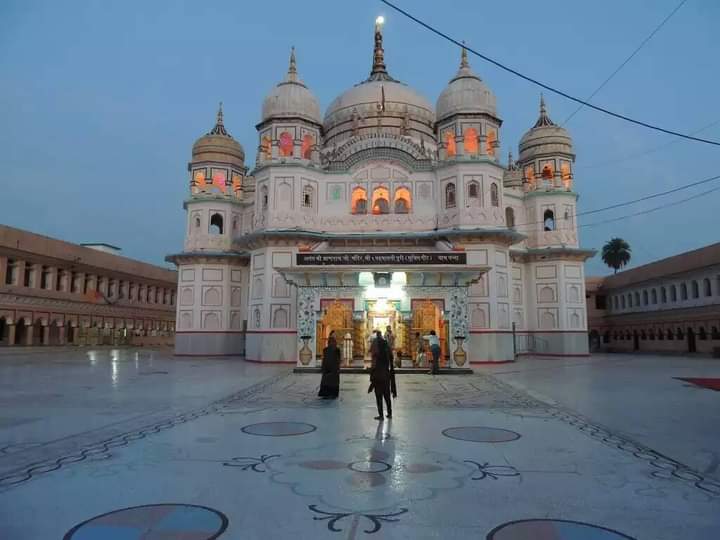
125,444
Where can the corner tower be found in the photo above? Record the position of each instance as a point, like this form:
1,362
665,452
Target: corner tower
211,274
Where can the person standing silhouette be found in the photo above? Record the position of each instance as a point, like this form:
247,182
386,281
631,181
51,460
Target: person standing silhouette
330,382
381,375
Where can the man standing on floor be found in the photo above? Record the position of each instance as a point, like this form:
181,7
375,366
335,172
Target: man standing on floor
435,350
381,375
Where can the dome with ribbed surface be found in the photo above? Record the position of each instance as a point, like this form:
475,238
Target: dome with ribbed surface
291,99
218,145
466,93
379,104
545,138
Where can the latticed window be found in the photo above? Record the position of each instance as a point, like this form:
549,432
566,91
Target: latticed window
307,196
450,195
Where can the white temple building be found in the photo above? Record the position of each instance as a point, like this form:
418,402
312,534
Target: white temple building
386,211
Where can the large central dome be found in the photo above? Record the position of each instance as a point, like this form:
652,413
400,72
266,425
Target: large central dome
379,105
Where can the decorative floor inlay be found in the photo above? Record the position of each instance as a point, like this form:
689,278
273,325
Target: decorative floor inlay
153,522
481,434
553,529
278,429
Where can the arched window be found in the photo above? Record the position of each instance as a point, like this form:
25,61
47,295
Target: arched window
308,196
683,292
653,296
470,144
673,293
707,287
547,172
285,144
494,199
381,201
530,174
450,195
266,147
264,198
637,299
565,174
695,289
622,301
450,143
663,295
645,298
402,200
490,143
549,220
216,224
473,189
510,217
307,146
197,222
358,202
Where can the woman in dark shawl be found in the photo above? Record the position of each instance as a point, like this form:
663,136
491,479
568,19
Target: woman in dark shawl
330,382
382,375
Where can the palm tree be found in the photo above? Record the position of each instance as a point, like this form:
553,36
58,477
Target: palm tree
616,253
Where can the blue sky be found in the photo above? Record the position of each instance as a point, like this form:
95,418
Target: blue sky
101,101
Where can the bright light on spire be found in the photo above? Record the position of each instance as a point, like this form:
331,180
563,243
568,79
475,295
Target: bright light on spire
380,20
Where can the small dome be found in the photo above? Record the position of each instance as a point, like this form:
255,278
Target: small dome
218,145
291,99
545,138
466,93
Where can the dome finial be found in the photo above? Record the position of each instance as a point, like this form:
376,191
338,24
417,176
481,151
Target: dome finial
379,71
292,69
544,119
463,58
219,128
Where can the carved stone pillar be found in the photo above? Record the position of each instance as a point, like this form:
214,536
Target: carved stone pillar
29,330
11,334
306,325
61,333
458,326
46,335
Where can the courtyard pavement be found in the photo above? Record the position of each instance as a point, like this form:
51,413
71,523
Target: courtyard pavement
126,444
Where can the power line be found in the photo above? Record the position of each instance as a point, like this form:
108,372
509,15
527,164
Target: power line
545,86
637,50
646,151
632,201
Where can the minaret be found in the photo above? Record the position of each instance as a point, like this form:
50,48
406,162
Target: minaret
379,71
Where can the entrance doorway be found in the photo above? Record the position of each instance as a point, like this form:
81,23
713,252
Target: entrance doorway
336,316
427,316
691,340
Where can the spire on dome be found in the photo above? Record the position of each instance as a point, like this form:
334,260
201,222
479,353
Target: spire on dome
292,68
463,58
544,119
219,128
379,71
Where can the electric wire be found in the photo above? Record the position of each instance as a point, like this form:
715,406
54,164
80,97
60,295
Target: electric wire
625,62
546,86
645,152
632,201
639,213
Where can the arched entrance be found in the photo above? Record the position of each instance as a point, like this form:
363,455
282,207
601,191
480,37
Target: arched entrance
3,332
427,316
636,341
692,347
594,341
20,332
337,317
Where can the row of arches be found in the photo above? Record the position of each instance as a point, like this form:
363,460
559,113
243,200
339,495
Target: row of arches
666,294
470,142
286,146
473,193
381,201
